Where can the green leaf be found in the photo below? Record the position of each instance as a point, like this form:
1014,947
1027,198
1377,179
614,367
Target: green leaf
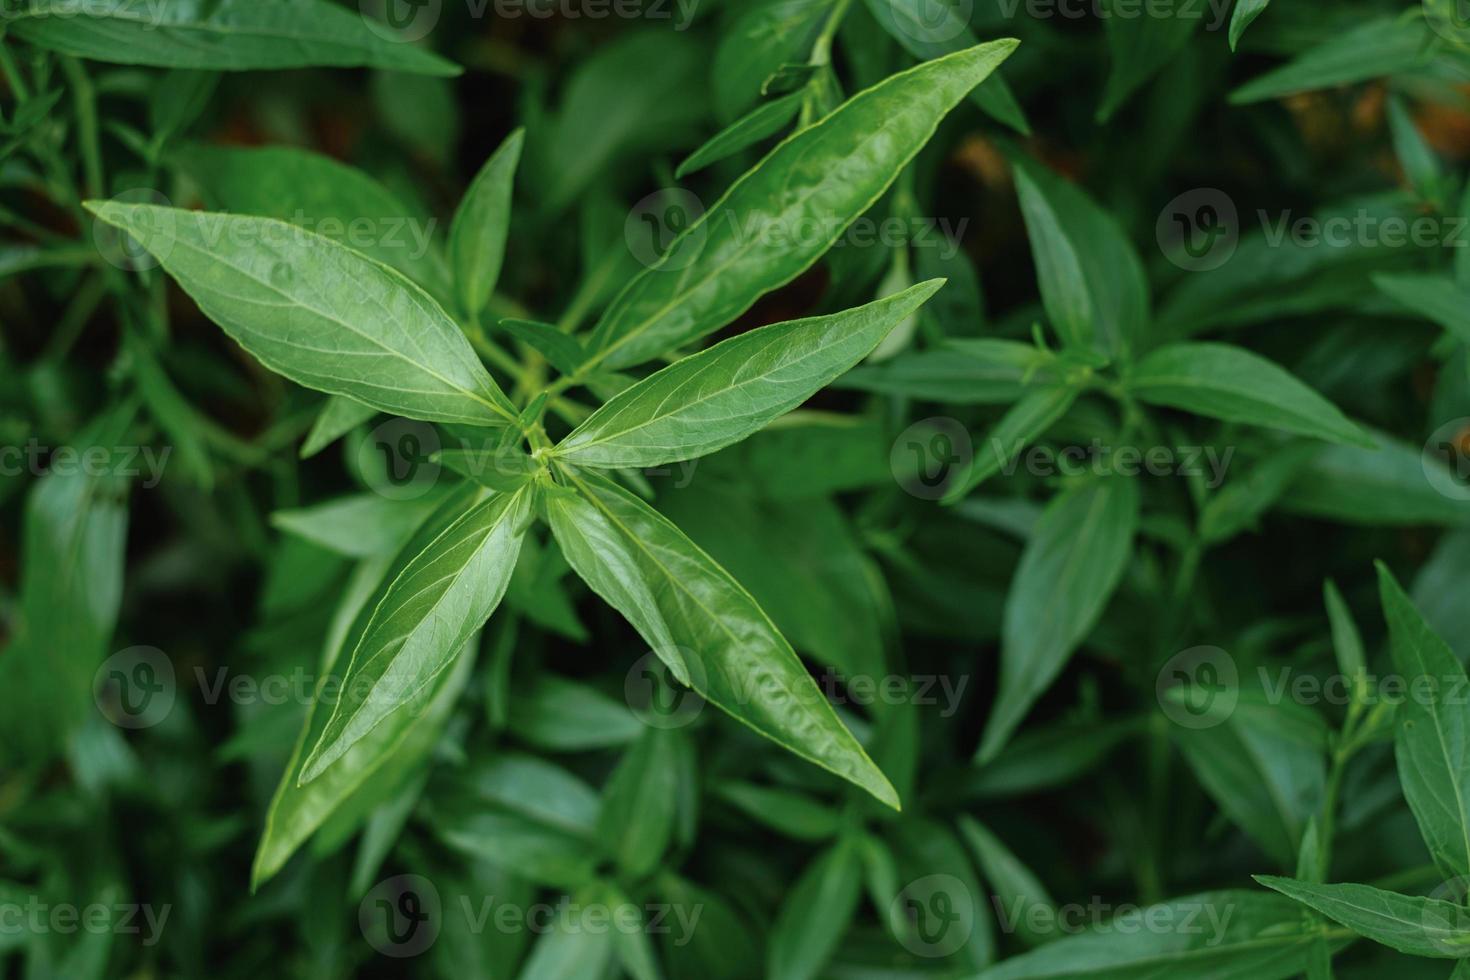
690,611
561,350
1245,12
297,811
1091,279
816,913
932,30
445,592
719,396
763,36
959,372
572,947
1016,888
338,417
1025,422
533,788
1213,935
320,314
1372,49
74,533
760,234
564,716
785,811
1410,924
360,525
1347,643
1047,757
1436,297
319,193
1417,159
1141,46
1265,774
637,819
1386,486
1233,384
480,226
219,35
1431,731
765,120
1068,572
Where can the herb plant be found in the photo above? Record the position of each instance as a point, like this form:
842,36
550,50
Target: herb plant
365,580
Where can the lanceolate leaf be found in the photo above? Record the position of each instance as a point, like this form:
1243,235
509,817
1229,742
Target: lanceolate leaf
1376,47
688,608
1214,935
296,812
323,195
1436,297
481,224
816,913
446,591
338,417
1091,279
781,216
1245,12
1408,923
1230,383
74,536
1070,567
959,372
318,313
1024,423
766,119
218,35
1431,731
721,395
637,818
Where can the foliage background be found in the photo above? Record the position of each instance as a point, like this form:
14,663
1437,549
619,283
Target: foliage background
1103,799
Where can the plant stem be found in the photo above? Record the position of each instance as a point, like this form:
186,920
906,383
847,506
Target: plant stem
84,97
